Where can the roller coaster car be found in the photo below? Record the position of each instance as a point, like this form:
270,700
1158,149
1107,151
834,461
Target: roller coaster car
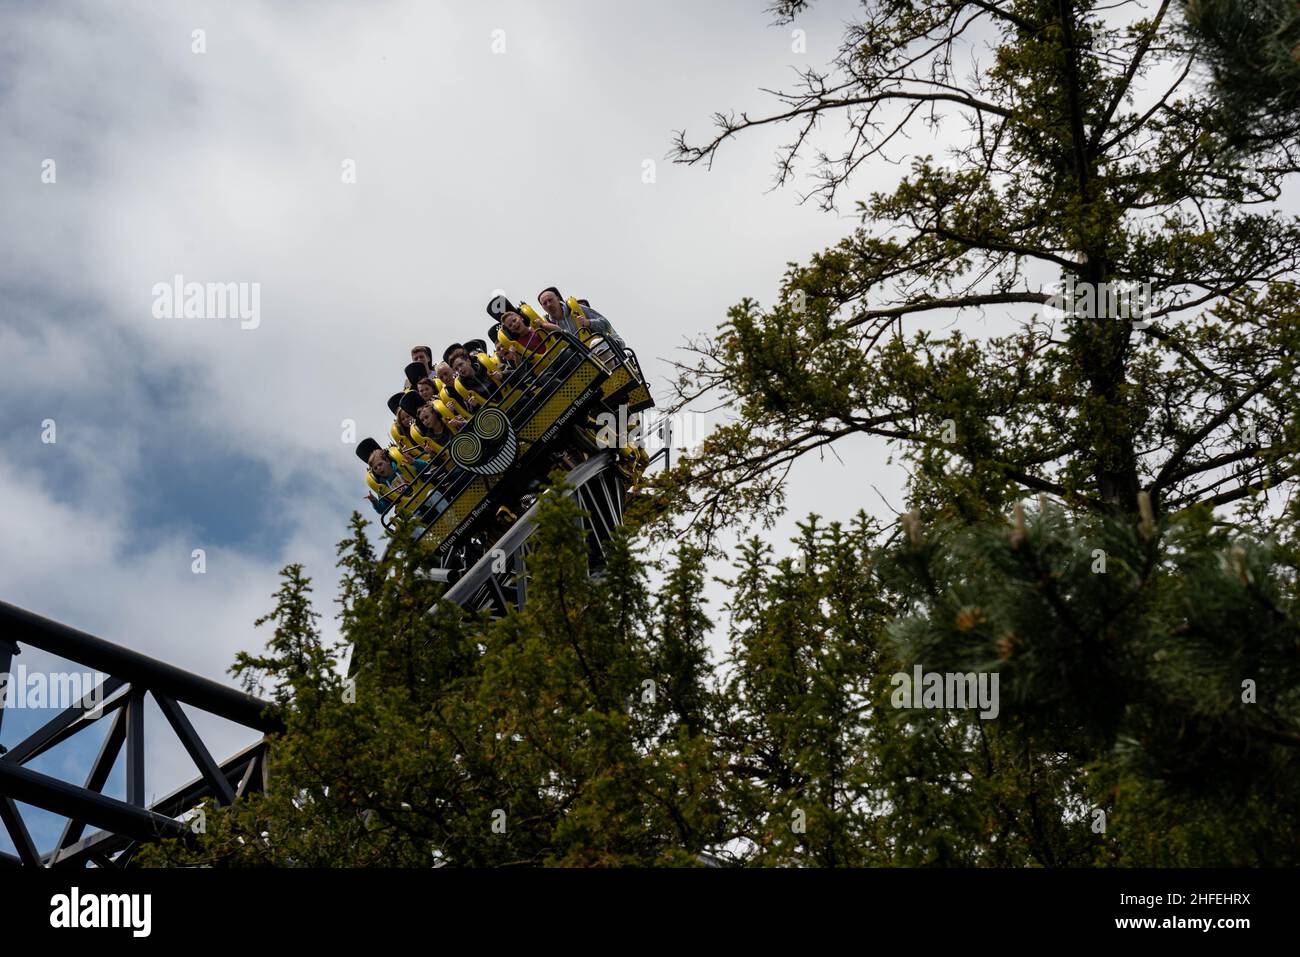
625,385
538,418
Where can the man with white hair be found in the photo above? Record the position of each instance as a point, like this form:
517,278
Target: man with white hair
563,317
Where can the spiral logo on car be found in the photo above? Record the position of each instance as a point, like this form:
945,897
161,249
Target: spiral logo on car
491,424
466,449
489,446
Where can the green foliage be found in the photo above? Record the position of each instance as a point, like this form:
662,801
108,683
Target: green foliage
1132,666
1087,144
588,727
1147,681
574,732
803,635
1253,48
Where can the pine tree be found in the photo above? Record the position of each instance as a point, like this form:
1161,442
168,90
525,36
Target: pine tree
802,636
528,740
1253,50
1147,674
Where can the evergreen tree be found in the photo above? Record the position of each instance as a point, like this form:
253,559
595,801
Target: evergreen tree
803,636
1145,706
567,733
1253,49
1147,674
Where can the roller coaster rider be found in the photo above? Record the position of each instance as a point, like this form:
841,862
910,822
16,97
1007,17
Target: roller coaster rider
430,430
428,391
390,476
521,335
475,384
575,316
528,395
444,380
401,423
418,380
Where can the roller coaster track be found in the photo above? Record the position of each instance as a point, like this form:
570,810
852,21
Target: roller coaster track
496,582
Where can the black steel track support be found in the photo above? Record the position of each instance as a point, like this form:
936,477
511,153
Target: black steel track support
129,677
98,777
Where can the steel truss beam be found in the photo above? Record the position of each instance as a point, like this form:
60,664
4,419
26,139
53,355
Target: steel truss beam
120,698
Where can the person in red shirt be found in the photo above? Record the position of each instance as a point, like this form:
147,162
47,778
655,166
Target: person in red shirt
519,330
